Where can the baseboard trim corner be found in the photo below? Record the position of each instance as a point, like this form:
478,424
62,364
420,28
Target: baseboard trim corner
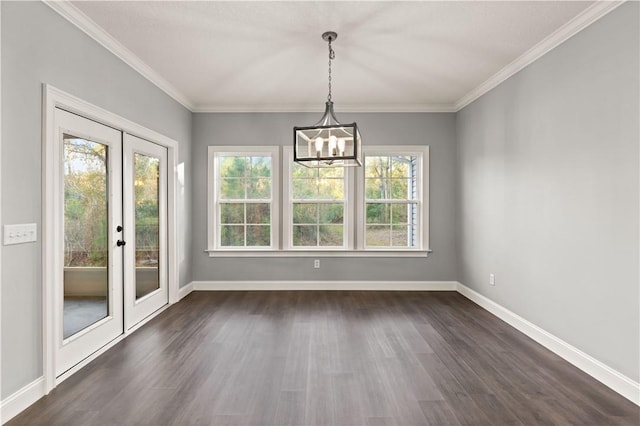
611,378
325,285
22,399
184,291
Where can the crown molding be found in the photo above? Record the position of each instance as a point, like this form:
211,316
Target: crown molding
319,108
93,30
587,17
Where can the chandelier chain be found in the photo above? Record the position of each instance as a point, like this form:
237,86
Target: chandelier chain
332,56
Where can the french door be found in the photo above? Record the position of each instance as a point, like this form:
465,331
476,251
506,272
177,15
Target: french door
145,216
112,235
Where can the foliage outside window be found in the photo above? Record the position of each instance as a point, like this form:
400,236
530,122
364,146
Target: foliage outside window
318,207
243,209
391,201
381,207
85,203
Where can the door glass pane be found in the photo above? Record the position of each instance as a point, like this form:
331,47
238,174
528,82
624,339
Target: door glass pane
147,217
86,242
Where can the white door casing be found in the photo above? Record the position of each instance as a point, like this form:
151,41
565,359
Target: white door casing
52,232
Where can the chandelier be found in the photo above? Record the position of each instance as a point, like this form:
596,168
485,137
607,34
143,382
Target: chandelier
328,143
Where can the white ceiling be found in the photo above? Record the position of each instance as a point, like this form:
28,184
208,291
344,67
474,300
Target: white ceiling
269,56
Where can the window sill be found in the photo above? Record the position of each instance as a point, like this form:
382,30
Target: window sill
319,253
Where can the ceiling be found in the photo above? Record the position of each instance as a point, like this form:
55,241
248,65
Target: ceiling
269,56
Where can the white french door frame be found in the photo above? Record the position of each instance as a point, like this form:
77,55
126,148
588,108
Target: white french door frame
51,232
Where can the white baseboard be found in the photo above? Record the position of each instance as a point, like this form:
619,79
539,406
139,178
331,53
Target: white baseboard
325,285
596,369
184,291
22,399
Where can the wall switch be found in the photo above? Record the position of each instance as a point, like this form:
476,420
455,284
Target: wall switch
18,234
316,263
492,279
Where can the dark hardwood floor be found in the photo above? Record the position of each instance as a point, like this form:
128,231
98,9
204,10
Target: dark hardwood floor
329,358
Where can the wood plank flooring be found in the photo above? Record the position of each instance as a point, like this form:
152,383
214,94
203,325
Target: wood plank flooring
329,358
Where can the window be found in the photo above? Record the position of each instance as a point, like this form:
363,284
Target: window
394,208
316,209
380,209
242,211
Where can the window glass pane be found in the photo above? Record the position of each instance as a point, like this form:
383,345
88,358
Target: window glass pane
304,235
331,172
232,189
258,213
299,171
402,166
231,213
305,189
399,236
331,235
391,178
232,235
377,166
86,241
331,189
305,213
400,189
374,189
399,213
378,213
331,213
261,166
258,188
258,235
378,236
232,166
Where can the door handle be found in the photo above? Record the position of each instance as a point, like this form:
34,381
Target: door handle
120,243
119,228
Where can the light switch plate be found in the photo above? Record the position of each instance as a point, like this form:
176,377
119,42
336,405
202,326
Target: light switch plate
22,233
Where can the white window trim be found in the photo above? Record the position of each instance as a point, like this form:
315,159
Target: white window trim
287,212
213,152
422,152
354,216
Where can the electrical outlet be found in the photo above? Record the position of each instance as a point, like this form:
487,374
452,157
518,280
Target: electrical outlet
316,263
492,279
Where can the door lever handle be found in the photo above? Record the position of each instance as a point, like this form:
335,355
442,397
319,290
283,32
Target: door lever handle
120,243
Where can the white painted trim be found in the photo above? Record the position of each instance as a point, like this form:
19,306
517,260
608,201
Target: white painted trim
74,15
325,285
405,254
319,108
615,380
52,98
1,201
213,229
22,399
184,291
92,29
28,395
587,17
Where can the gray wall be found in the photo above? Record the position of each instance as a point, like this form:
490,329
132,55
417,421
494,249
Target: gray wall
39,46
435,130
547,173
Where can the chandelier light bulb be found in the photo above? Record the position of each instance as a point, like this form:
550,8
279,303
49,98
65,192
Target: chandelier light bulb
333,143
319,144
